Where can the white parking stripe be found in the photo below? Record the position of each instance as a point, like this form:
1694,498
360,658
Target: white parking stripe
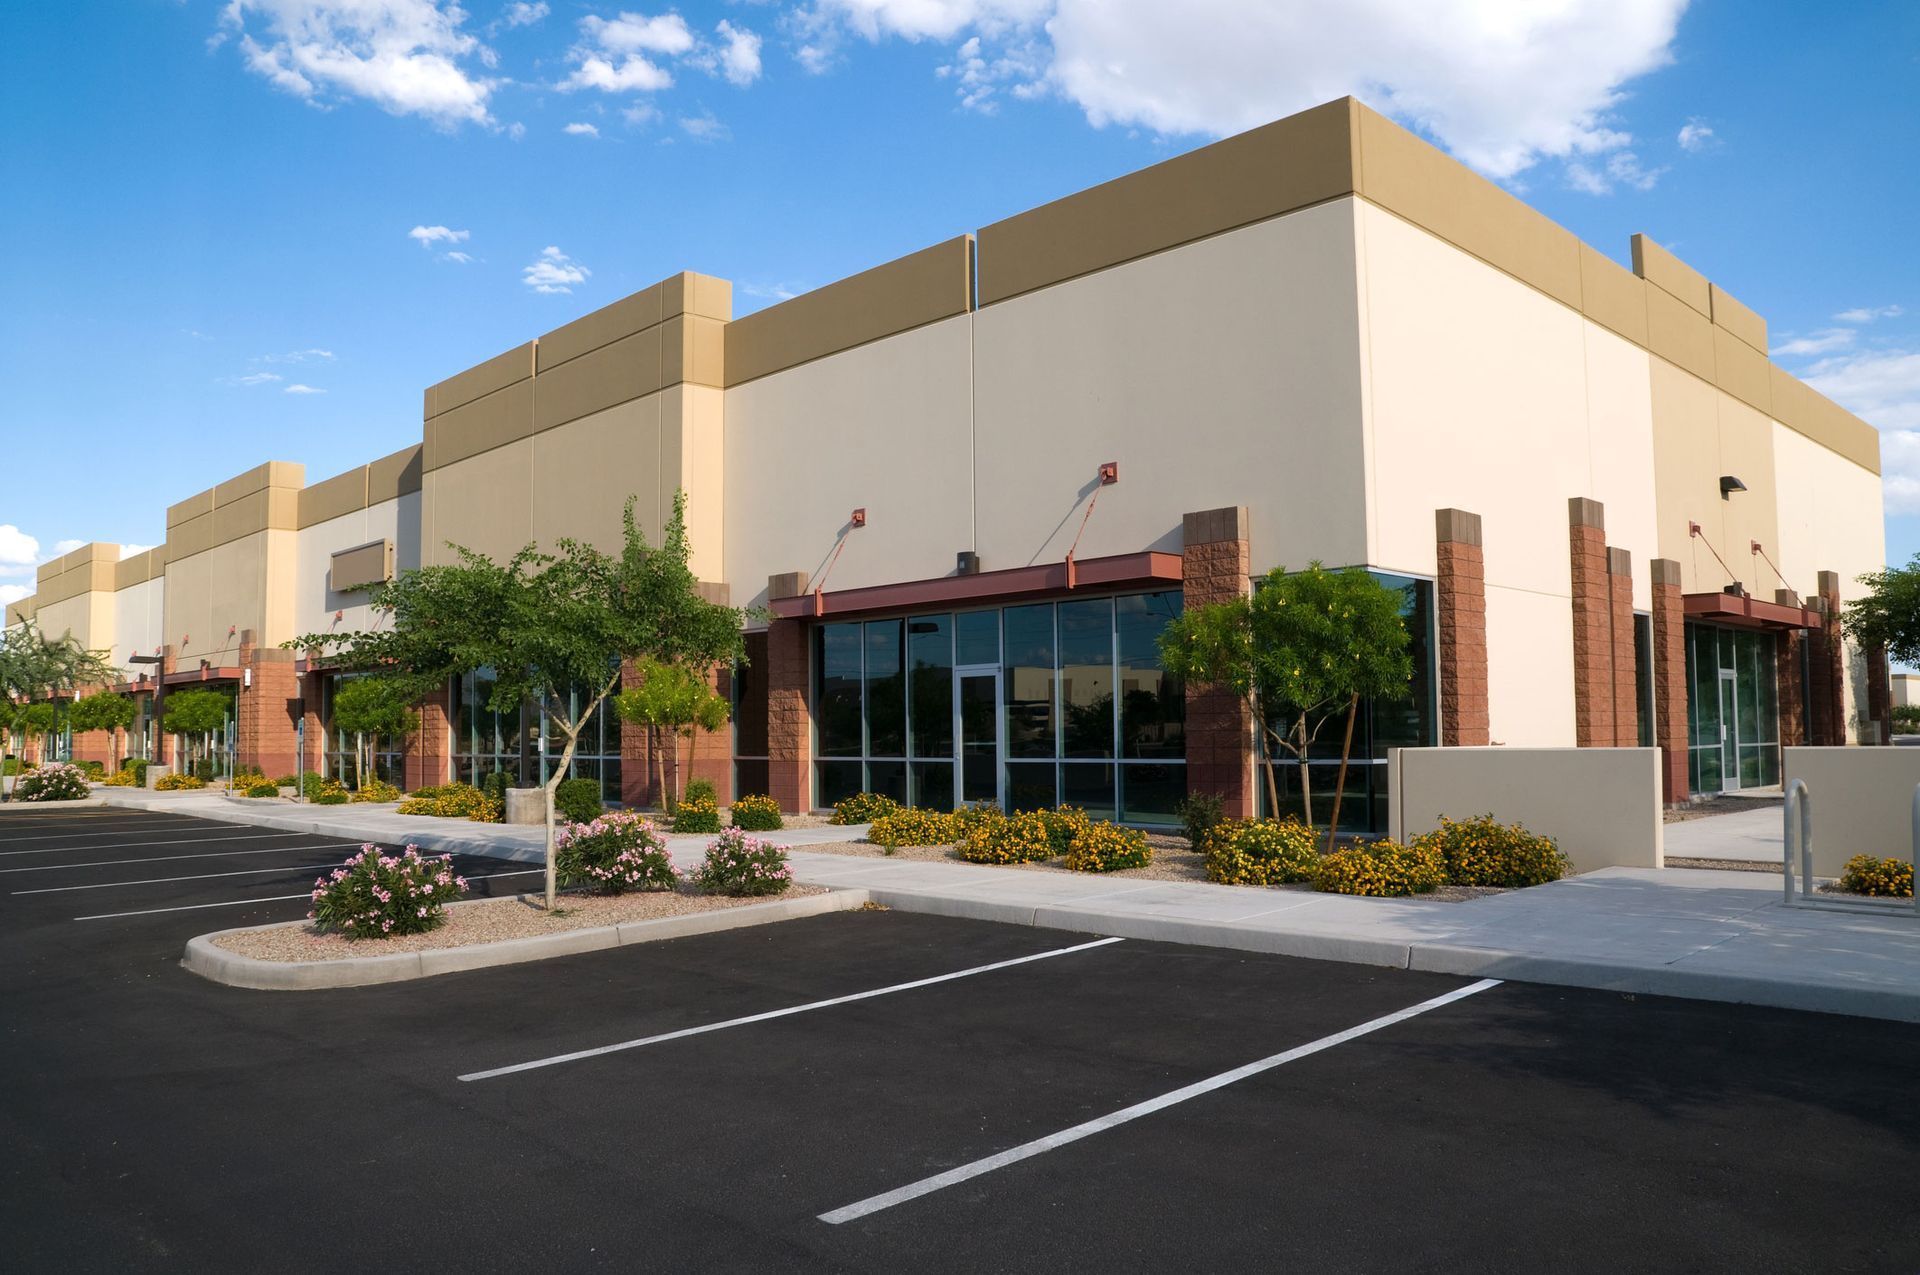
198,876
169,858
1026,1151
114,832
271,898
138,845
780,1013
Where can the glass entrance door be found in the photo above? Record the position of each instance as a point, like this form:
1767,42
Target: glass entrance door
1729,732
976,697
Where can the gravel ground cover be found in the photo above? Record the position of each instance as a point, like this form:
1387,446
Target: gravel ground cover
488,921
1173,860
1712,806
1724,865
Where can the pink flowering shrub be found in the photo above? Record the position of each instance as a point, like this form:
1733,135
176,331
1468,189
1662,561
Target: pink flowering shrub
55,782
375,895
741,865
617,852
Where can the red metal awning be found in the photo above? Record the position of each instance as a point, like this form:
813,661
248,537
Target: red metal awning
1143,570
205,673
1742,611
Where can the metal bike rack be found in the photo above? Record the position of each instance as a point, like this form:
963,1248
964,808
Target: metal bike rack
1797,816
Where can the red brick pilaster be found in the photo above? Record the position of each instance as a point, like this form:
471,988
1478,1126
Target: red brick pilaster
1461,592
1789,681
1879,694
1593,707
636,758
712,757
1670,679
789,725
429,746
1215,568
1626,666
266,727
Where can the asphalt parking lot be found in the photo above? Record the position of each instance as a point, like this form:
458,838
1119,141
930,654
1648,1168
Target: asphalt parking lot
975,1097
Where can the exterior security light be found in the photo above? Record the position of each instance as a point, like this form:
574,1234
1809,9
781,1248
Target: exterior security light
1729,484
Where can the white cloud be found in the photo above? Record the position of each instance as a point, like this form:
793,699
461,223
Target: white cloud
581,130
1825,341
516,130
772,291
739,56
13,593
636,33
705,128
459,258
17,548
522,14
1502,86
128,551
65,546
405,56
297,388
640,113
553,271
1882,387
298,356
1867,314
1695,136
427,236
251,378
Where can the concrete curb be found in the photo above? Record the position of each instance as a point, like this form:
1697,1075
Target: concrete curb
24,806
219,965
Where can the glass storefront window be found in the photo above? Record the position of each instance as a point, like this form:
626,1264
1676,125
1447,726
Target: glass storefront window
1028,685
1153,703
837,697
1086,680
930,653
886,695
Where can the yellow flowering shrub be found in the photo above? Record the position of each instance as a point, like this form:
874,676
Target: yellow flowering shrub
1019,838
914,827
756,812
1063,824
176,782
1382,869
119,779
376,790
448,801
1480,851
862,807
698,813
1107,847
1259,851
1885,878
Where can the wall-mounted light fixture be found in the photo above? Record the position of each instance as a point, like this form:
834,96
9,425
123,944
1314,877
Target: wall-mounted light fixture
1729,484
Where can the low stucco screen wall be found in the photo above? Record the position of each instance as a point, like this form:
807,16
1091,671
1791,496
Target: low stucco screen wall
1601,804
1862,801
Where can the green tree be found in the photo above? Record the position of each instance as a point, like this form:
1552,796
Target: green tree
36,721
672,702
548,624
1301,650
196,713
104,710
1889,615
370,709
34,666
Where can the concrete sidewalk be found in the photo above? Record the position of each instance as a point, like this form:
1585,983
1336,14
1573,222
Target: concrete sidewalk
1710,935
1755,834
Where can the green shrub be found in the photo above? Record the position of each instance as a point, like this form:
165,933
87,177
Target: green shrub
95,770
863,807
263,788
613,853
376,790
914,827
332,797
1382,869
137,767
313,783
56,782
1199,813
1108,847
1000,838
14,766
697,814
1481,852
451,801
287,781
1885,878
119,779
577,800
698,788
177,782
495,784
1260,851
1063,824
756,813
740,865
375,896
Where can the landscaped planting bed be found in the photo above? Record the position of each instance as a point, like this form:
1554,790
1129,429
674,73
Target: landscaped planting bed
488,921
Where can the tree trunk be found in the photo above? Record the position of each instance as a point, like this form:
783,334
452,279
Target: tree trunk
658,761
1340,785
1306,779
679,772
1269,769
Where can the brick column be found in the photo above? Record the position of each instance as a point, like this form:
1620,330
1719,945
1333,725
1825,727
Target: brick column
1789,682
1593,711
1670,679
789,716
429,745
316,740
162,741
267,736
1461,594
712,758
1626,664
1214,568
636,757
1826,668
1879,694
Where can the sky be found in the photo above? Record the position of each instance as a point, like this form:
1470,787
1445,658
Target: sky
256,229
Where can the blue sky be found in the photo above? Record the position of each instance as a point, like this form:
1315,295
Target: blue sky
256,230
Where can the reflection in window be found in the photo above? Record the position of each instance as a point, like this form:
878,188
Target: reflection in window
1028,685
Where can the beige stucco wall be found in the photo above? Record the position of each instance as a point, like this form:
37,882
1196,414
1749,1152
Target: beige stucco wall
214,596
1906,689
315,602
1486,395
1223,372
88,616
884,426
138,618
1602,805
1862,801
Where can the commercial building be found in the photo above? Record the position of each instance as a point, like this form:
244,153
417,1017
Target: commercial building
971,485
